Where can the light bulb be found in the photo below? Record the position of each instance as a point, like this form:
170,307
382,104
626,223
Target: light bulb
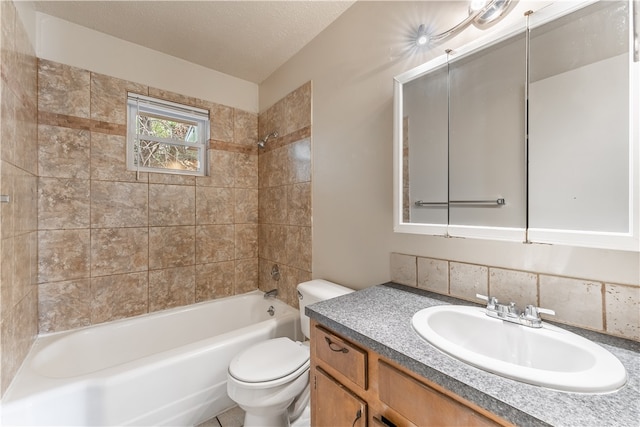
422,38
476,5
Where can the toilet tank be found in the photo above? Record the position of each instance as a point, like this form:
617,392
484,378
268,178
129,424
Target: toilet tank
315,291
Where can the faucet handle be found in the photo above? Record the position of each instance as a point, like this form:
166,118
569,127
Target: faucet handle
534,312
491,301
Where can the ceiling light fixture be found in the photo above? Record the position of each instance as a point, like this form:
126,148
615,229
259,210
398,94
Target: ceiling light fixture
481,14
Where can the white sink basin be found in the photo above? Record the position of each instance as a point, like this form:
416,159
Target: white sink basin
549,356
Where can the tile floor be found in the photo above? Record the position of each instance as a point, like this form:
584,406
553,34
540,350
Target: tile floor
234,417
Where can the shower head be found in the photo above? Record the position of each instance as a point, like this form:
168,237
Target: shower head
263,141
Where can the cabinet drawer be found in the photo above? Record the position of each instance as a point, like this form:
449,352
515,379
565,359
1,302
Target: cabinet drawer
347,359
423,405
334,405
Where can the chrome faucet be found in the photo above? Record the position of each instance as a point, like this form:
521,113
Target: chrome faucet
509,312
271,294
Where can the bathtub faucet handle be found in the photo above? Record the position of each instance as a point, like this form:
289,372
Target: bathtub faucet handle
271,294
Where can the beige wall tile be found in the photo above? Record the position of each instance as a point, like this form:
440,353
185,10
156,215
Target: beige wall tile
108,159
63,152
245,126
246,243
173,97
221,169
272,207
8,176
403,269
25,202
467,280
63,203
272,240
300,161
622,306
246,275
246,170
119,250
19,164
433,275
214,280
63,255
64,305
298,247
63,89
171,246
215,243
513,286
171,205
298,108
576,302
274,119
299,204
246,206
214,205
172,287
119,204
119,296
221,119
109,98
167,178
9,118
273,167
19,330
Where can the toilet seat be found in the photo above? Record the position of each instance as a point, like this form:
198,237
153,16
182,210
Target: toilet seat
270,363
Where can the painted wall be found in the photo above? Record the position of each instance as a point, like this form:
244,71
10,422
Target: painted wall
352,64
18,180
71,44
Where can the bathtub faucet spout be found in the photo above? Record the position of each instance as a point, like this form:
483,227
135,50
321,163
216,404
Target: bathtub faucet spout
271,294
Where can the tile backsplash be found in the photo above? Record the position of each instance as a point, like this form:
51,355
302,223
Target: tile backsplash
605,307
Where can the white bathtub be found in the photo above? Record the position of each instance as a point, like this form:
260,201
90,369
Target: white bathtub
165,368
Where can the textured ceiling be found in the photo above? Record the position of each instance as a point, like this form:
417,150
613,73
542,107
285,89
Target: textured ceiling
245,39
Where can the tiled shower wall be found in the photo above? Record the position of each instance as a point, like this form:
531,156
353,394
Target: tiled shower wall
605,307
285,194
18,180
113,245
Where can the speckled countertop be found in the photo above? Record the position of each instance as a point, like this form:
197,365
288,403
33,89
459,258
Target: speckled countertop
379,318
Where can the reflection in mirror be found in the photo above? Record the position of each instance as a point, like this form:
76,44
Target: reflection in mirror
425,140
579,121
487,137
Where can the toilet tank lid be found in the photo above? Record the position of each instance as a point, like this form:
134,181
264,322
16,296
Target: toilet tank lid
323,289
269,360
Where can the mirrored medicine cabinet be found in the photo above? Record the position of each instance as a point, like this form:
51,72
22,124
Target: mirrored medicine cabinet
529,135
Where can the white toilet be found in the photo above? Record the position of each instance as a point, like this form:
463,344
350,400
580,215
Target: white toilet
270,380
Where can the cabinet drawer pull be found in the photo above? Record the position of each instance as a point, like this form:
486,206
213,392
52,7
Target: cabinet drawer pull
335,347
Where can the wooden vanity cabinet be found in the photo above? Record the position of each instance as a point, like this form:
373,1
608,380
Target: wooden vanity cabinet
354,386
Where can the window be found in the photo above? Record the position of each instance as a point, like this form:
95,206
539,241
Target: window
166,137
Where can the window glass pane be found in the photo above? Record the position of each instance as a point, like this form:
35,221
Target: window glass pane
166,128
152,154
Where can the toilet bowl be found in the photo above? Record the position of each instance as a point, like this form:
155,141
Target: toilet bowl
270,380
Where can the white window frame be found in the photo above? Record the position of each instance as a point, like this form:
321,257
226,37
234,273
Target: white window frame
171,111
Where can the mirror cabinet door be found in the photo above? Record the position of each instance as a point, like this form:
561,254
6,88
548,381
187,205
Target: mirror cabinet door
487,137
544,119
579,127
425,149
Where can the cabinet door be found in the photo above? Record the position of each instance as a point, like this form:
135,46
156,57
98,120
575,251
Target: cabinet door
487,138
582,112
423,405
333,405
